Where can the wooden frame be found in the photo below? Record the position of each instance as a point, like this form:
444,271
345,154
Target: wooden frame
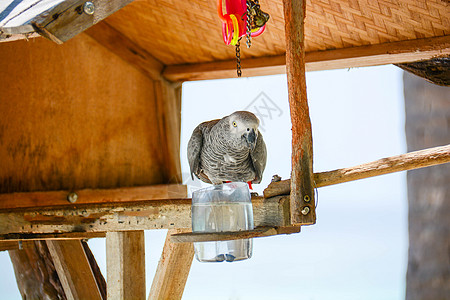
87,220
362,56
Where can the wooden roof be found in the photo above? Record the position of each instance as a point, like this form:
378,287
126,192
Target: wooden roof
342,33
178,32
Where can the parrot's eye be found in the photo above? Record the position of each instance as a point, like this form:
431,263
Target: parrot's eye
234,124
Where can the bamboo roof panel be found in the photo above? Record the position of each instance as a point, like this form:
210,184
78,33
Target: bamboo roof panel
178,32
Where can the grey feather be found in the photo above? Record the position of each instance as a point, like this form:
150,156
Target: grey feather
229,149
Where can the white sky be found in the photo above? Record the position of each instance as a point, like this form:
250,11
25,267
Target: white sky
358,248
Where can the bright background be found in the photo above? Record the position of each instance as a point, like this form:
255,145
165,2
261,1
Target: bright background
358,248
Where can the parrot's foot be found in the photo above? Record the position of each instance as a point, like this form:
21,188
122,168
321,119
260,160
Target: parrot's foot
230,258
220,257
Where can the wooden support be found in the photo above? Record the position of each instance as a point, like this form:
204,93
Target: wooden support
125,264
91,196
140,215
69,18
35,272
74,270
263,231
99,279
173,269
168,99
15,245
122,46
403,162
354,57
302,190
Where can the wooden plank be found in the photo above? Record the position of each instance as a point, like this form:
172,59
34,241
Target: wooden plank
92,196
15,245
129,51
173,269
74,270
168,99
354,57
125,265
409,161
99,279
52,236
263,231
142,215
69,18
302,189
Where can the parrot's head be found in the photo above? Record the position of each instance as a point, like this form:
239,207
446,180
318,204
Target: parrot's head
244,127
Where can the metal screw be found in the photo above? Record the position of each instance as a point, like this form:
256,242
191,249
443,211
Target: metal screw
89,8
305,210
306,198
72,197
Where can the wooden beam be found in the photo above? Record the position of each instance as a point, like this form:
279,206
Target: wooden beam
263,231
173,269
122,46
125,264
74,270
168,99
139,215
91,196
69,18
360,56
99,279
51,236
409,161
302,190
15,245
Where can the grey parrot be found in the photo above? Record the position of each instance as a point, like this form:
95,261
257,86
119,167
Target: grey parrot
229,149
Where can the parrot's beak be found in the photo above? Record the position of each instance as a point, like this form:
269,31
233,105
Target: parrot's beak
250,136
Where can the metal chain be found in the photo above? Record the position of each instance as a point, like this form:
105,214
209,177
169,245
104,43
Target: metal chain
249,28
238,58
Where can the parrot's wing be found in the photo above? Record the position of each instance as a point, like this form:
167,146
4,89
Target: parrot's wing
259,158
194,149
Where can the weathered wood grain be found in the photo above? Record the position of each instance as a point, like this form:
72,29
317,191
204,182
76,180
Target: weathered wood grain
126,49
74,270
409,161
302,190
125,265
80,123
35,272
92,196
67,19
173,269
141,215
263,231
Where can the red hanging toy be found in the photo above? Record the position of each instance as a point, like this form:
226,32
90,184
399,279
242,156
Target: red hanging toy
242,17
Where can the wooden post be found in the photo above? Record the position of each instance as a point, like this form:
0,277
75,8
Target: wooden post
74,269
125,265
173,269
302,183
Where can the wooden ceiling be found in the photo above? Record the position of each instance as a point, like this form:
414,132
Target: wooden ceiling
180,32
182,40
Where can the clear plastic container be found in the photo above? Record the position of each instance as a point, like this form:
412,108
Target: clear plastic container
225,207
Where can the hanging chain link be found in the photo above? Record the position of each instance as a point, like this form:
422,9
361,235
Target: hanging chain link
238,58
248,25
